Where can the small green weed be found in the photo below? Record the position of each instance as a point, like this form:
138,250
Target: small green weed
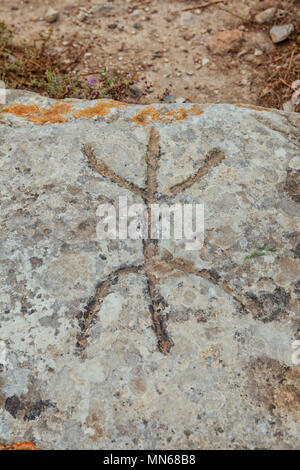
263,250
34,67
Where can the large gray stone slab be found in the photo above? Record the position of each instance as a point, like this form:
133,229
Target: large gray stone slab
141,344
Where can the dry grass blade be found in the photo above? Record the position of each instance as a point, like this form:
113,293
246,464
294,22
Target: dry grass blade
280,73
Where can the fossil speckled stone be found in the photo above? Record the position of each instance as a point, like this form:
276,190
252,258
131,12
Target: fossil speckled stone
141,344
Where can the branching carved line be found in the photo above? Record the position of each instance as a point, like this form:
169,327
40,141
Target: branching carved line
150,248
152,257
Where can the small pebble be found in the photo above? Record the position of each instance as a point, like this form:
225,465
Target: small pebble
282,32
243,52
82,16
103,10
51,15
169,99
288,106
296,84
268,47
265,16
135,91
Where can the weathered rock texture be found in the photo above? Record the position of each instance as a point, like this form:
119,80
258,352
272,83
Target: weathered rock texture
131,344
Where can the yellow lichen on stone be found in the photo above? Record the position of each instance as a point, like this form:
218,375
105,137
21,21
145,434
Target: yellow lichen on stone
20,110
182,113
194,111
142,116
19,446
99,109
178,114
56,114
58,111
250,106
150,113
40,116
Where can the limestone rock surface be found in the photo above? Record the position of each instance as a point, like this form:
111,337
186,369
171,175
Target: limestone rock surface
137,344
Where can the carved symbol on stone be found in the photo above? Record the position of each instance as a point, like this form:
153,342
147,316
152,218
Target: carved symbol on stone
154,258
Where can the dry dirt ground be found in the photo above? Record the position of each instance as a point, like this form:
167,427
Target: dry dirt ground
167,45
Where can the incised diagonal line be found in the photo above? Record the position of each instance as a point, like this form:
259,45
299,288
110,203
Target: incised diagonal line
211,275
103,170
94,305
213,158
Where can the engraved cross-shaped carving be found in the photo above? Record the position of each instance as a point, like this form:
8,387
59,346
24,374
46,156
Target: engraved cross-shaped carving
153,258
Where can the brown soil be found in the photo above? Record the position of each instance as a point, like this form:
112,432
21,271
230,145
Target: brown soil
166,45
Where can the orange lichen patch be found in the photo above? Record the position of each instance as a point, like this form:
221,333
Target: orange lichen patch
20,110
56,114
99,109
21,446
249,106
182,113
179,114
194,111
144,116
53,115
